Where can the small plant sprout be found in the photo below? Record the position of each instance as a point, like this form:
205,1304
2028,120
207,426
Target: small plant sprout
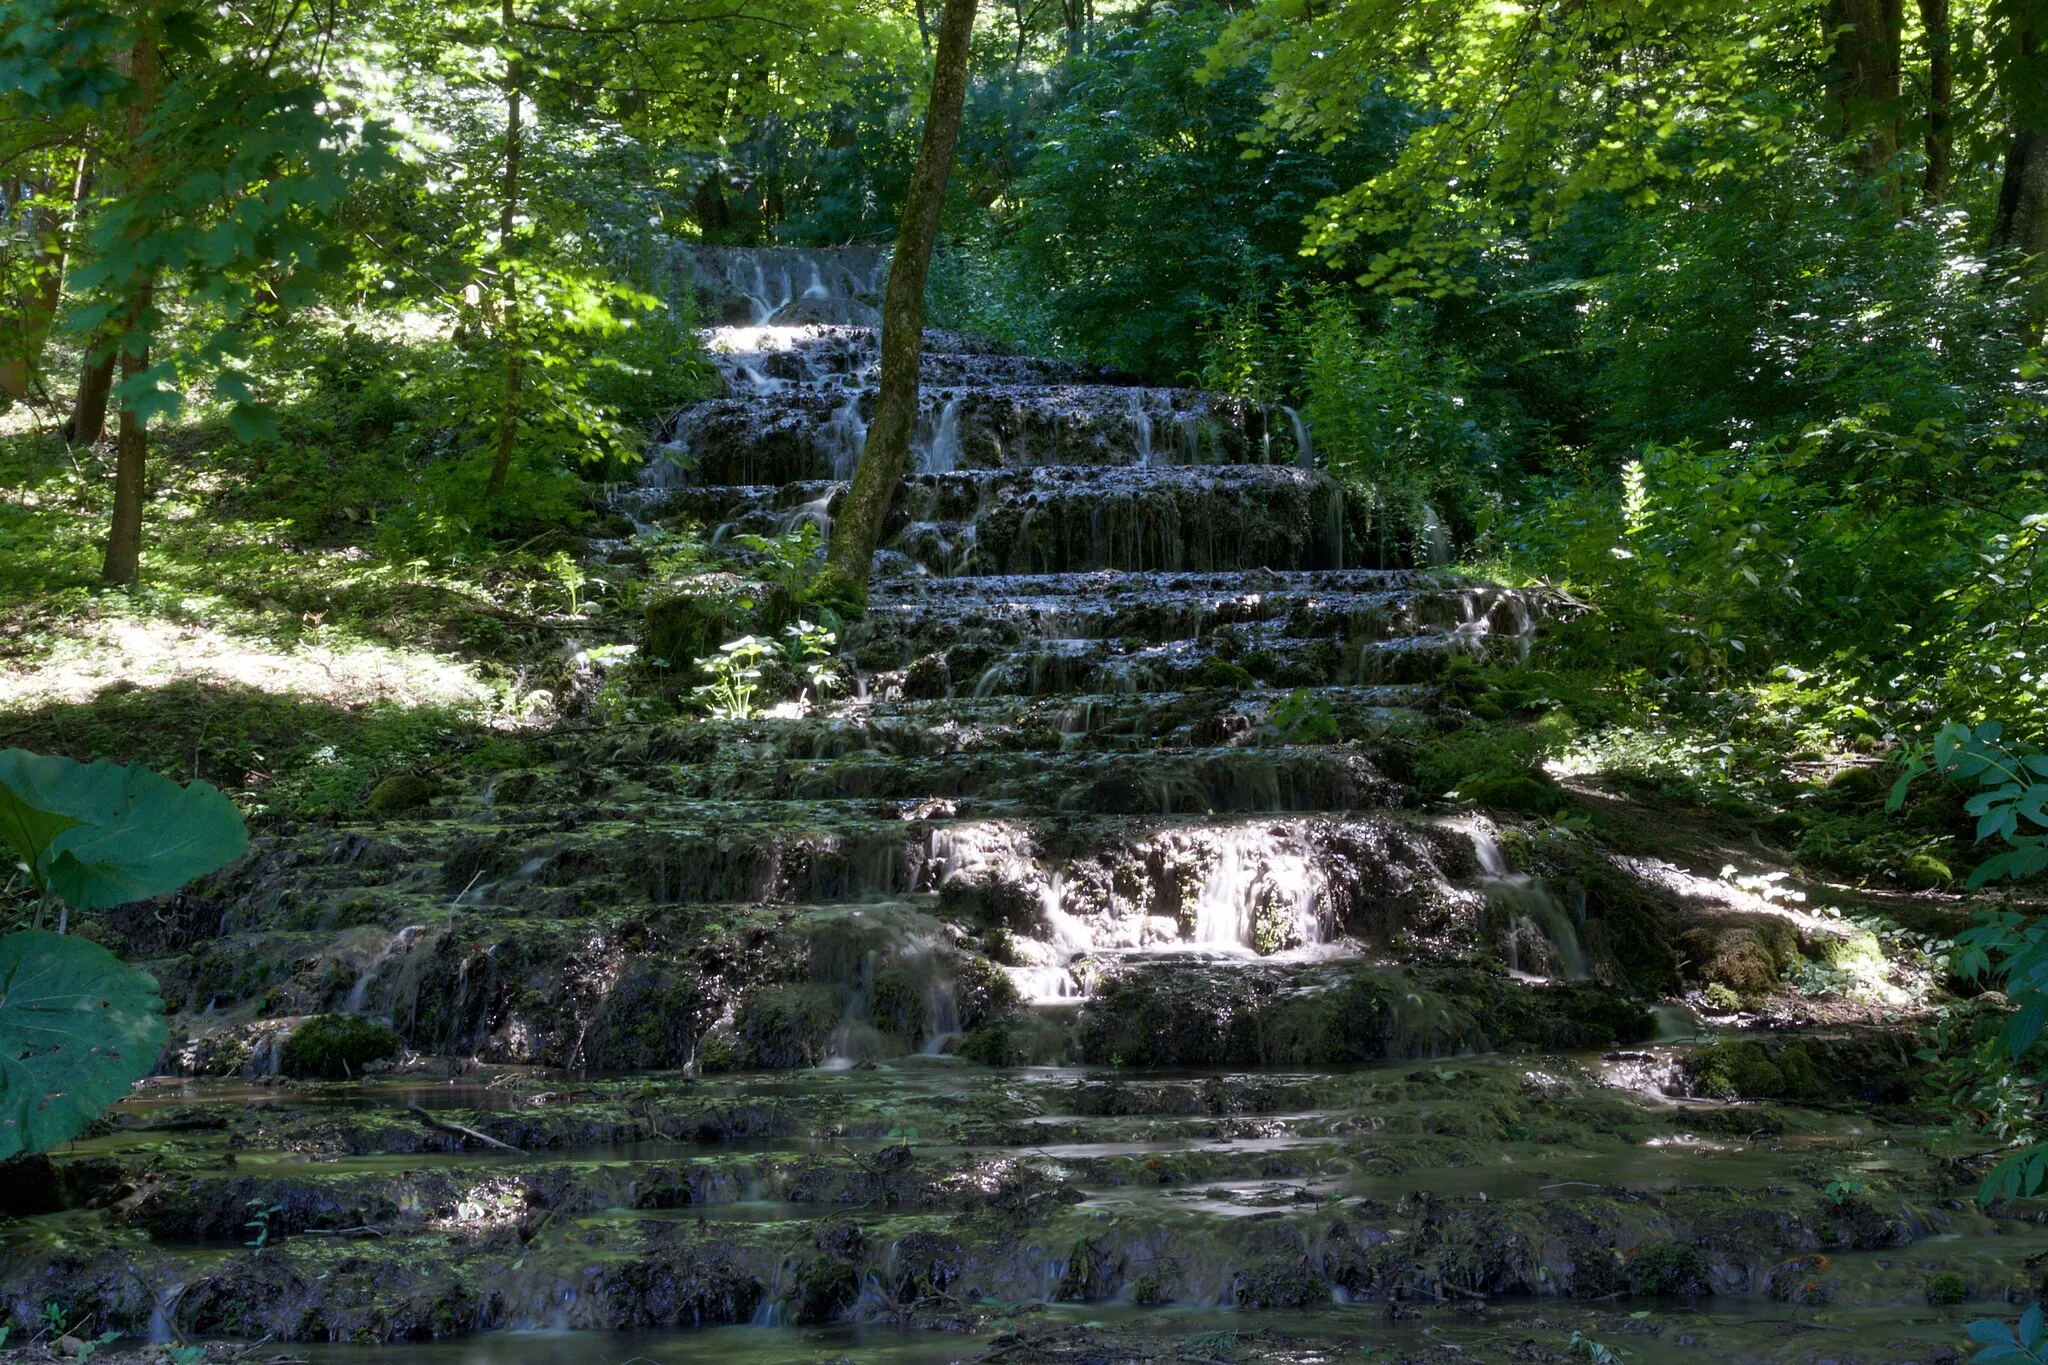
735,678
569,574
260,1215
809,649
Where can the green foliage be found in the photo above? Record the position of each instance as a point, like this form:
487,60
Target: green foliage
97,834
735,678
1303,717
791,559
77,1029
2010,1344
2013,802
332,1047
809,648
260,1215
1140,213
231,191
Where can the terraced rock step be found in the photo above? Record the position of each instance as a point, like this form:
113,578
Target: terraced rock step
863,1011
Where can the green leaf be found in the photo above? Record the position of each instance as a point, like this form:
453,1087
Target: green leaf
28,828
156,837
131,834
77,1028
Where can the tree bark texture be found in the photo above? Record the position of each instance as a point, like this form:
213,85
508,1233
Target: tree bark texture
508,215
89,405
1863,77
1941,93
2021,226
858,526
123,564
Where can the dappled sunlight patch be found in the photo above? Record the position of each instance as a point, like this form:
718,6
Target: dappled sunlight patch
153,653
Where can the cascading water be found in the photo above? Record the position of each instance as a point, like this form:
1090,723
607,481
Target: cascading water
1541,936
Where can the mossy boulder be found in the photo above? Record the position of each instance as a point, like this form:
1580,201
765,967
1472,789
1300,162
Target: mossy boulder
1669,1269
1528,793
1745,1071
1925,872
1946,1286
405,792
694,616
1747,953
790,1028
896,1005
333,1047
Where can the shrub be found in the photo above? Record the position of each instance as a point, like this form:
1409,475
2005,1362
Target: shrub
333,1047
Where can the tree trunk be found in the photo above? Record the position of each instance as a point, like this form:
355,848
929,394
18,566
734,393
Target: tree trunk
508,212
33,309
2021,226
1941,89
123,564
89,407
858,526
1863,77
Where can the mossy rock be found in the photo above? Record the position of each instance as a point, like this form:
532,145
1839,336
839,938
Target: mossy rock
1743,1070
1748,954
697,615
1669,1269
1224,675
1946,1286
787,1029
1524,792
1925,872
333,1047
896,1005
1857,786
404,792
825,1289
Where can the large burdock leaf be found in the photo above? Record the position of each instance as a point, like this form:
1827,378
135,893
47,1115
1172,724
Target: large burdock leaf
128,834
29,819
77,1028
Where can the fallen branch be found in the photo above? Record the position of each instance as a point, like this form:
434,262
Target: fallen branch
445,1126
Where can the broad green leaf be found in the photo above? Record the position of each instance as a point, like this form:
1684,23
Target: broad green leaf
159,837
78,1027
27,821
131,833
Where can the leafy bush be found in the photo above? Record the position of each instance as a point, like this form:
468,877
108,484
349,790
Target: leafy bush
332,1047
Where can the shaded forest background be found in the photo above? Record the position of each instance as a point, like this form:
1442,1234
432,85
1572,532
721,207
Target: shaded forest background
1722,318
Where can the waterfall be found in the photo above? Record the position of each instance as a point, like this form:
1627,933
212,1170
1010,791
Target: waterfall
1141,427
942,456
846,435
1536,919
1304,445
1259,895
358,994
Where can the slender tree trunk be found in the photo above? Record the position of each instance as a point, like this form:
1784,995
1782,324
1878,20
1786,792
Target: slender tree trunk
2021,226
1941,92
37,307
508,211
924,26
123,564
858,526
1863,77
89,406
